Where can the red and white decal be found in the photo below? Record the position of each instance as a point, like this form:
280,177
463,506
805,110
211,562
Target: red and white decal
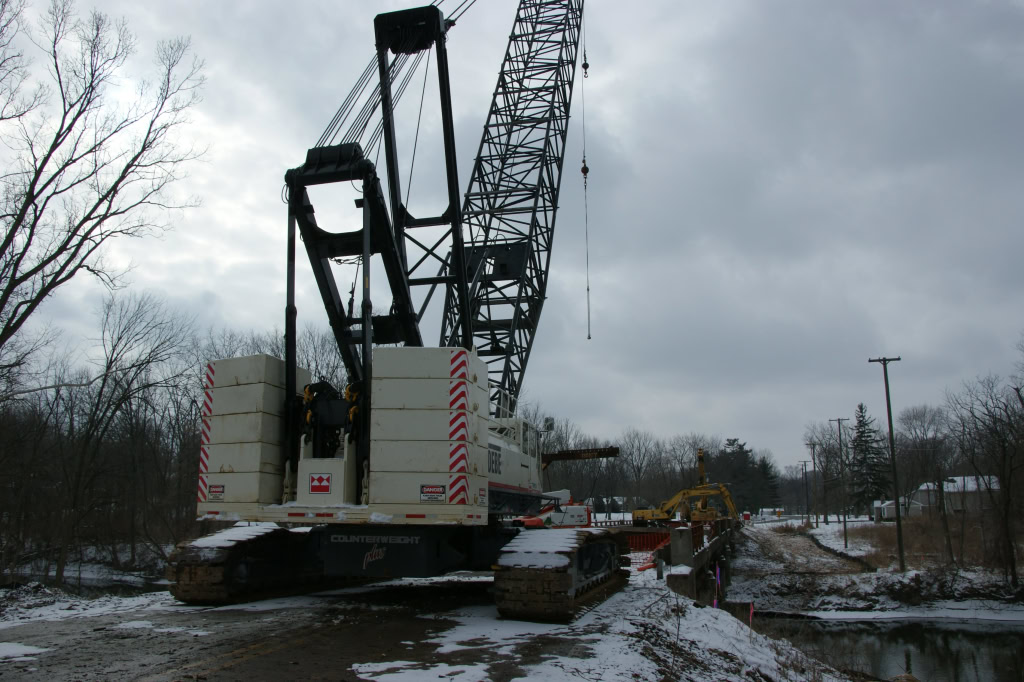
459,364
458,426
458,395
319,484
458,489
204,456
458,458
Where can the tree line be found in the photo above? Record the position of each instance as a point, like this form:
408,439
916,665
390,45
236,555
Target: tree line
105,455
649,470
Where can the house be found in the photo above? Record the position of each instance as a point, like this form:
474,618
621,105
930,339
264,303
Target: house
970,493
613,504
886,511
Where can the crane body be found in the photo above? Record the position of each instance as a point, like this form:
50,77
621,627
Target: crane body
417,466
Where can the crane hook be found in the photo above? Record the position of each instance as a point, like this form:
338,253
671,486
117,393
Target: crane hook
586,64
585,170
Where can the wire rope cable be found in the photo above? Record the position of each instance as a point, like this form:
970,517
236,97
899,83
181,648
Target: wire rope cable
416,139
586,171
456,14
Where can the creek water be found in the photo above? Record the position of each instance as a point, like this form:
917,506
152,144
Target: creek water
935,651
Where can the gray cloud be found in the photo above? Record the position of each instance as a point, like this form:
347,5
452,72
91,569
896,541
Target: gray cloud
777,192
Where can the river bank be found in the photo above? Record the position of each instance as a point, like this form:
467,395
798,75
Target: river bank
940,624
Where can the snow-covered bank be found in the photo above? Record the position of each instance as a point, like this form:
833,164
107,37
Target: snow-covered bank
766,573
644,632
35,602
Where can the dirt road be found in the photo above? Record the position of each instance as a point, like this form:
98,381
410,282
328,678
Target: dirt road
790,552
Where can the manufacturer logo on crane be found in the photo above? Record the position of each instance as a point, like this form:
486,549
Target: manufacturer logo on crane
319,484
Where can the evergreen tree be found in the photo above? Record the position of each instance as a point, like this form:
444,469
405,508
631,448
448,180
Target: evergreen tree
869,468
767,480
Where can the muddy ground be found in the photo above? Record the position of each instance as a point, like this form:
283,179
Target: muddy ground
320,639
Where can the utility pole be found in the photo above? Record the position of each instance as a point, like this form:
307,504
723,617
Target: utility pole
842,475
892,457
814,483
807,505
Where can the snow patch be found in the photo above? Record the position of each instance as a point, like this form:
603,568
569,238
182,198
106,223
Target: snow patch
233,535
134,625
18,652
384,672
540,548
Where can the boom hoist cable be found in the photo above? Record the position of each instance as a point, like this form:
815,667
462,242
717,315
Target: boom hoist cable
586,171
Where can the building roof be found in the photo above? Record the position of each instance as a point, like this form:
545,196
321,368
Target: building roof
968,484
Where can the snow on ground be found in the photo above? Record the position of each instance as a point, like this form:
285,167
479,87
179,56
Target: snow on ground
644,632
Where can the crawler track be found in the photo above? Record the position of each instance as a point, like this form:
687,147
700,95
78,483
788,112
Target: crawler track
548,577
229,567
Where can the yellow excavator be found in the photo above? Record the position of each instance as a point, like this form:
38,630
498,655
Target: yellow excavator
701,511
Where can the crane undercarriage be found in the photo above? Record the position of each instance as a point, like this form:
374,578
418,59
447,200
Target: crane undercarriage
545,575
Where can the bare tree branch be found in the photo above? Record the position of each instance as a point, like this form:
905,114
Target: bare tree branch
86,170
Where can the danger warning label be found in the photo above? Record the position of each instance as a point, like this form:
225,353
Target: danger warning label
319,484
432,493
216,493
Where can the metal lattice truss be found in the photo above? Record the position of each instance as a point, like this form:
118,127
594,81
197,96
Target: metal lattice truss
509,209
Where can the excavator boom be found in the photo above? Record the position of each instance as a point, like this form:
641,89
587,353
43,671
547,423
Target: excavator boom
704,491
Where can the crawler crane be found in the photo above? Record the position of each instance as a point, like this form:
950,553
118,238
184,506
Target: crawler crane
416,467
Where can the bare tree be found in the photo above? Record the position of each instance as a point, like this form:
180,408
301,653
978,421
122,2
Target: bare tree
81,169
987,423
926,455
681,451
828,465
14,101
140,341
639,452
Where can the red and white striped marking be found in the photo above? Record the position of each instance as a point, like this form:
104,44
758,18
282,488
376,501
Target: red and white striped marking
458,489
204,456
458,428
458,458
459,364
458,395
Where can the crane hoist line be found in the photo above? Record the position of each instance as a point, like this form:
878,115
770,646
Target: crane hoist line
418,466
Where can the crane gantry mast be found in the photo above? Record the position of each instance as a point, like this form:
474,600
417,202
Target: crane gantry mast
493,254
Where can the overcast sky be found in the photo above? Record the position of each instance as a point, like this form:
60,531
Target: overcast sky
778,191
